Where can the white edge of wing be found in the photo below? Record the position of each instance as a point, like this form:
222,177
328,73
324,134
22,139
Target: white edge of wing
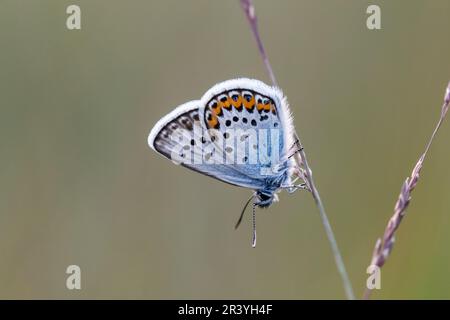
185,107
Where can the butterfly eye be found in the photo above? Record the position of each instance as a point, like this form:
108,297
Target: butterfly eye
248,97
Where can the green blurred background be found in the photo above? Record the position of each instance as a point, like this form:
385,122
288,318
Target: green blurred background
79,185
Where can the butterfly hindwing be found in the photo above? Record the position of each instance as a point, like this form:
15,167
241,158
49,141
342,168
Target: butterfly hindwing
181,120
250,115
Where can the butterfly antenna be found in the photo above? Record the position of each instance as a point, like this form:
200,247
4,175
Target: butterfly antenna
254,226
242,213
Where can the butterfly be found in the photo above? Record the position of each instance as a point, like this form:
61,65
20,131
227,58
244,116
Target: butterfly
240,132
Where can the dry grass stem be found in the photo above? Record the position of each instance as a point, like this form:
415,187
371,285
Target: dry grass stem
384,245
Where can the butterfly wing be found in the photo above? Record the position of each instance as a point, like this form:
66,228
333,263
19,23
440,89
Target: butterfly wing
178,137
258,115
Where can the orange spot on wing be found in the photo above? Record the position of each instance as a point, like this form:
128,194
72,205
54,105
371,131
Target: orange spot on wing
249,104
225,104
237,103
274,110
213,122
217,109
228,103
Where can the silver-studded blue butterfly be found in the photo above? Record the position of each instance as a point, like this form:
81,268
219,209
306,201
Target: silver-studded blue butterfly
239,132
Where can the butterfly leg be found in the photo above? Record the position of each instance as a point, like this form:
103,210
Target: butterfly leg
295,187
